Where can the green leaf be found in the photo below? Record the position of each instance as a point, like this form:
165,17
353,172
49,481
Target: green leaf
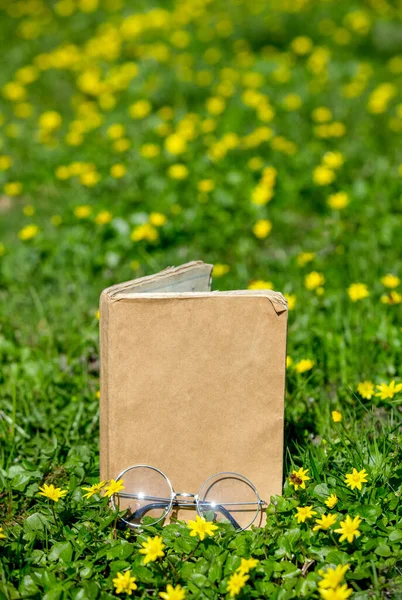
370,513
35,526
321,491
396,535
383,550
62,551
121,549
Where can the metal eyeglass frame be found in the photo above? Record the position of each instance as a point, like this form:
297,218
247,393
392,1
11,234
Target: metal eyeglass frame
185,500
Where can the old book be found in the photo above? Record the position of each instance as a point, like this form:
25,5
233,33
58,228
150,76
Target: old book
193,380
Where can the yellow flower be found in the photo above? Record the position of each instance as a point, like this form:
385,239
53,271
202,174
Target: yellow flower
201,527
175,144
333,160
291,300
255,163
116,131
289,361
393,297
125,583
5,162
103,217
49,491
292,102
150,150
356,478
157,219
2,535
314,280
14,91
325,522
29,210
12,188
122,145
305,257
219,270
336,416
358,291
247,564
306,364
349,528
117,171
331,501
298,478
262,228
321,114
50,120
140,109
304,512
259,284
114,487
236,583
94,489
90,178
338,201
366,389
62,172
390,281
206,185
215,106
388,391
144,232
173,593
152,549
339,593
178,171
322,175
302,45
83,211
28,232
331,577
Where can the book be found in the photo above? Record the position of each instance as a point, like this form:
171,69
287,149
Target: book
193,380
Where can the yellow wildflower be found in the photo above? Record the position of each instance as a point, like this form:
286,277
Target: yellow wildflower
90,178
236,583
103,217
116,131
219,270
331,577
173,593
157,219
339,593
331,501
262,228
144,232
298,478
114,487
94,489
178,171
336,416
390,281
5,162
140,109
291,300
366,389
302,45
152,549
83,211
118,171
323,175
12,188
289,361
49,491
206,185
304,512
325,522
333,160
175,144
259,284
215,106
393,297
2,535
356,479
358,291
150,150
338,201
314,280
306,364
124,583
201,527
305,257
349,529
50,120
388,390
321,114
247,564
28,232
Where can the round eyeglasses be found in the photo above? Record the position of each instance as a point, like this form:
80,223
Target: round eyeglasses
148,497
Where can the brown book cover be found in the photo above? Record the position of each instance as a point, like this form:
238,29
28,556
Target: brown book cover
192,381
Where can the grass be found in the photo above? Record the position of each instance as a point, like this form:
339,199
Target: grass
70,227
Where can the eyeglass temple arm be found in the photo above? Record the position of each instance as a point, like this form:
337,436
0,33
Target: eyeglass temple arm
138,514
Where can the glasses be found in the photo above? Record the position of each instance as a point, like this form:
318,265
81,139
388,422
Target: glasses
148,498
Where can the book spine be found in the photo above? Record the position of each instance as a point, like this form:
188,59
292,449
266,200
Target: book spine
104,387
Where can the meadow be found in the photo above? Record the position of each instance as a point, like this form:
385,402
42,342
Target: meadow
263,137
